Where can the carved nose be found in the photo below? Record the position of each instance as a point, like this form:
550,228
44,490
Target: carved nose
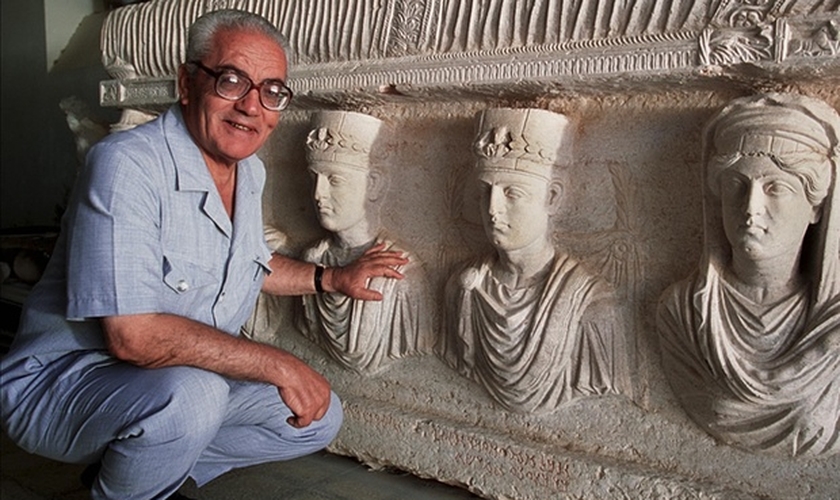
321,189
756,198
496,202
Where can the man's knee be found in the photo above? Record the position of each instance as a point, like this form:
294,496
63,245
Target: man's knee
327,428
193,406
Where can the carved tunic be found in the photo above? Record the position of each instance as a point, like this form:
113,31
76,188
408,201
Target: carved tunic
535,348
756,377
362,335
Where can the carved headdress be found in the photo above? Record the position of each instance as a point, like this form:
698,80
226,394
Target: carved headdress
783,126
527,141
343,137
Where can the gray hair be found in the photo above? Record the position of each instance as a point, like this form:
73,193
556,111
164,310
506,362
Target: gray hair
205,28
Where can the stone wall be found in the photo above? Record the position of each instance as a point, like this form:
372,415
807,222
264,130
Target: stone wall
638,82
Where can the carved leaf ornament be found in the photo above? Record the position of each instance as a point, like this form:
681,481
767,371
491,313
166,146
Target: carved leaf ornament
498,143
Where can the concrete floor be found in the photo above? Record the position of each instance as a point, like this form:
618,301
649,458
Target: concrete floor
321,476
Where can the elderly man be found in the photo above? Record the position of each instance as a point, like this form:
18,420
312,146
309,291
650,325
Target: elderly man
751,341
363,336
129,353
528,322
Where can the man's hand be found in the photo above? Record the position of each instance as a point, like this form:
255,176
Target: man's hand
353,279
305,391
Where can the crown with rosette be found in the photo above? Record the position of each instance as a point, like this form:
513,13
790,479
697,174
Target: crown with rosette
527,141
344,137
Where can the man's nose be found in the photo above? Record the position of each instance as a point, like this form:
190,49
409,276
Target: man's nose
250,102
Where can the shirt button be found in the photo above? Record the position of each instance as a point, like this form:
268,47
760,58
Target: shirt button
183,286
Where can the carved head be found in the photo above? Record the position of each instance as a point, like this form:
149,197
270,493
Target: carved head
518,151
338,152
770,163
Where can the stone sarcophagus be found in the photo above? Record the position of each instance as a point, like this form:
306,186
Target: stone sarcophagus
622,220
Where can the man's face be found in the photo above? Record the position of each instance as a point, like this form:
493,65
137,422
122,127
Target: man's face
514,209
765,209
229,131
340,193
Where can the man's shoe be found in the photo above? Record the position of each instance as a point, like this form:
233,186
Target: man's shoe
91,471
89,474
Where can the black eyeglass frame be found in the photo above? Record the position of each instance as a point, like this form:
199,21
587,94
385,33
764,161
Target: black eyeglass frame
251,86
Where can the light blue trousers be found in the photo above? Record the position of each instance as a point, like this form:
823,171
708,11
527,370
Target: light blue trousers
151,428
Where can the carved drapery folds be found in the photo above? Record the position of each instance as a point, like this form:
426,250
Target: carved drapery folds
750,340
416,46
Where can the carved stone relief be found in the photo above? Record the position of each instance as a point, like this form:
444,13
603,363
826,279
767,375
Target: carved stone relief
637,80
752,340
361,335
528,322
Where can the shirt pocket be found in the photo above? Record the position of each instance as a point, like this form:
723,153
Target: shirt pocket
182,276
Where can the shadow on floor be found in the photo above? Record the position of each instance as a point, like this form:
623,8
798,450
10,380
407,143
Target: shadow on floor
322,476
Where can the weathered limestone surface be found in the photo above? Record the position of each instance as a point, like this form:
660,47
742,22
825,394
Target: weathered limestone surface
638,81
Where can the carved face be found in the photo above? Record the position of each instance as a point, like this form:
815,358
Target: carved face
765,209
515,209
340,193
229,131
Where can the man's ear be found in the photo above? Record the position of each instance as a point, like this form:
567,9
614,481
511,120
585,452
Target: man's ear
555,196
183,84
376,185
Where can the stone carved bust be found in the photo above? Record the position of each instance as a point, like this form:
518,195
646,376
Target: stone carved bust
528,322
751,341
364,336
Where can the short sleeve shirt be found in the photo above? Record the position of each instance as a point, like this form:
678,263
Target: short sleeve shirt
146,232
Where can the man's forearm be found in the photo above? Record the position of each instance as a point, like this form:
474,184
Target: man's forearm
160,340
293,277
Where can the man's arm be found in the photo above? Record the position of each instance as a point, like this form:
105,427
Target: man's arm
161,340
293,277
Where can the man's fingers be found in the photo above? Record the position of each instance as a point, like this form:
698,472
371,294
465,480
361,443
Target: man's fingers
367,294
301,421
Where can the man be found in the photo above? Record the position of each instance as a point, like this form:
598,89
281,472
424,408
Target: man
751,342
361,335
128,352
528,322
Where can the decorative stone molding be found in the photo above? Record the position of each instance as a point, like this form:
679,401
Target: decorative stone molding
374,49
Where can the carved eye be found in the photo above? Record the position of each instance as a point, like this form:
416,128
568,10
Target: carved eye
733,186
514,193
337,180
778,188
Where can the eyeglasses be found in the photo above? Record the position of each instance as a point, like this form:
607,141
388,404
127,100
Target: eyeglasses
233,86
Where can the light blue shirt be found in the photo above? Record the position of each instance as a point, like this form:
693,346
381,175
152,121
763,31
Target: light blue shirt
146,232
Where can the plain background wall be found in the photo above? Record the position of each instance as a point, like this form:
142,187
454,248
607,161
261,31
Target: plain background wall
38,157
